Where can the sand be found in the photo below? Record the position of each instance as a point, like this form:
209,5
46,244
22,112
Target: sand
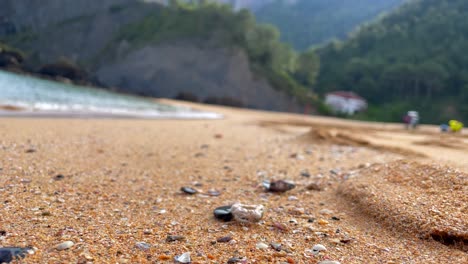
388,195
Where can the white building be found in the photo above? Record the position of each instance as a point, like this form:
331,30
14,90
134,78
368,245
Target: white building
345,102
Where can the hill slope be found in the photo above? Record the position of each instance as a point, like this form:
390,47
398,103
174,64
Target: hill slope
413,58
310,22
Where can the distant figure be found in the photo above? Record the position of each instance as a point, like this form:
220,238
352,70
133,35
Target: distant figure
444,128
411,119
455,126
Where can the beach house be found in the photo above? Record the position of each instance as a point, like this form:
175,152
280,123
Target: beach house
345,102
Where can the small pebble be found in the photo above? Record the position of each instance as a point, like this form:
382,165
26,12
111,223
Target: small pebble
223,213
59,177
305,173
276,246
261,245
293,198
8,254
247,213
280,186
64,245
329,262
315,186
188,190
224,239
184,258
322,222
234,260
171,238
214,193
318,248
142,246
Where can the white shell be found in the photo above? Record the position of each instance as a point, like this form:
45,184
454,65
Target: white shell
64,245
247,213
184,258
317,248
261,245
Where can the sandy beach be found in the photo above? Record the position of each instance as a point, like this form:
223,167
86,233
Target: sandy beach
369,193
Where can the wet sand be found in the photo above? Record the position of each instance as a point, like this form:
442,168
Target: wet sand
386,195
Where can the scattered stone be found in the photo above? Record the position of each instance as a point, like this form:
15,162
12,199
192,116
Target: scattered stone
305,173
334,218
335,171
218,136
8,254
278,186
322,222
234,260
280,226
184,258
345,240
311,220
261,245
31,150
293,198
315,186
318,248
276,246
3,233
223,213
247,213
214,193
65,245
142,246
59,177
225,239
171,238
329,262
188,190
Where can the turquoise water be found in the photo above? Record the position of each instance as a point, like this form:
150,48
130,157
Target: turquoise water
35,95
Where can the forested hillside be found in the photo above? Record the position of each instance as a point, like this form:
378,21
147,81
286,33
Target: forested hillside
304,23
413,58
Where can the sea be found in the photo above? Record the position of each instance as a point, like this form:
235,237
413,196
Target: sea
22,95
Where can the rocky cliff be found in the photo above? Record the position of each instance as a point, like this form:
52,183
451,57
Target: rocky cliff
82,31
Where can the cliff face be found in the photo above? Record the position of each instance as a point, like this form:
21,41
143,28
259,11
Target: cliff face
82,31
169,69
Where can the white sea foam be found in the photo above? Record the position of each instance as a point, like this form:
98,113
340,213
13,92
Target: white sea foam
42,97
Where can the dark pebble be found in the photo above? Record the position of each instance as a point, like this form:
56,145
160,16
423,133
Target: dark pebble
188,190
335,218
280,186
3,233
9,254
30,151
305,173
311,220
224,239
170,238
223,213
276,246
234,260
59,177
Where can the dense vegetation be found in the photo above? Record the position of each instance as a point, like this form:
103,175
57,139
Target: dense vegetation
312,22
413,58
216,24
